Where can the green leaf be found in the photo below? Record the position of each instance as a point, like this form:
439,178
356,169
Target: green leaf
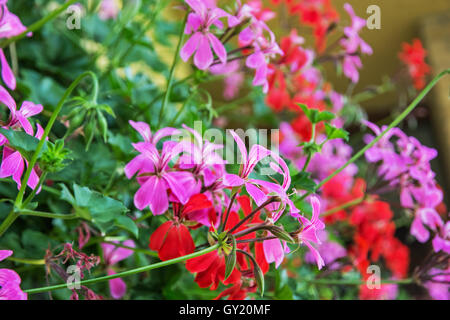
316,116
303,181
230,262
22,142
128,224
335,133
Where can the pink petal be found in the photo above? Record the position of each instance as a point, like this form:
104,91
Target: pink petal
218,47
255,193
175,182
232,180
203,57
143,129
190,46
7,100
117,286
11,164
5,254
316,254
7,74
153,193
273,251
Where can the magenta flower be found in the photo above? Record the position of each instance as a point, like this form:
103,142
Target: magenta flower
330,251
202,39
112,255
438,286
275,250
351,44
10,281
264,49
154,174
308,233
442,239
10,26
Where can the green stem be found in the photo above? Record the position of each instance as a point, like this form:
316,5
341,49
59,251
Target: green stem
13,215
172,71
27,261
342,207
33,193
127,273
37,25
48,214
49,126
393,124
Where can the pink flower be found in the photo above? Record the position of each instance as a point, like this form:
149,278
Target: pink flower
351,44
154,174
112,255
275,250
442,239
10,26
10,281
329,251
308,233
202,39
264,49
13,164
109,9
438,287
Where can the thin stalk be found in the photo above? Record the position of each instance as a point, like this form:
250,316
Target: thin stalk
342,207
33,193
27,261
267,202
393,124
233,196
126,273
37,25
48,214
172,71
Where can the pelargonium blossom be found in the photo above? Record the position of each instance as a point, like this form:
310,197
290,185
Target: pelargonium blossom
10,26
10,281
112,255
308,233
352,43
198,24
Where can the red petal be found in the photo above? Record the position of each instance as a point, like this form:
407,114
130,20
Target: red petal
158,237
201,263
197,202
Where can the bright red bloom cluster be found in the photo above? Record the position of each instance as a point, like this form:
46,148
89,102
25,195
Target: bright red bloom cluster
374,230
413,56
318,14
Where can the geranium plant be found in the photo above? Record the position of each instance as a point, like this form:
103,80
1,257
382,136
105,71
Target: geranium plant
125,175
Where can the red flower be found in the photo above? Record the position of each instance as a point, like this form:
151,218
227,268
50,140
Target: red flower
172,240
413,55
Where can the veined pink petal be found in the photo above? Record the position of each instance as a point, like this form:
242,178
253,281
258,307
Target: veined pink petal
255,193
164,132
29,109
152,193
175,182
242,148
134,166
418,230
232,180
190,46
7,74
11,164
257,153
203,57
273,251
115,254
117,286
143,129
26,125
7,100
316,254
5,254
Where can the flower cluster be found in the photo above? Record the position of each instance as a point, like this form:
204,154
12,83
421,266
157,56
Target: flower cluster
188,177
413,56
205,24
405,163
